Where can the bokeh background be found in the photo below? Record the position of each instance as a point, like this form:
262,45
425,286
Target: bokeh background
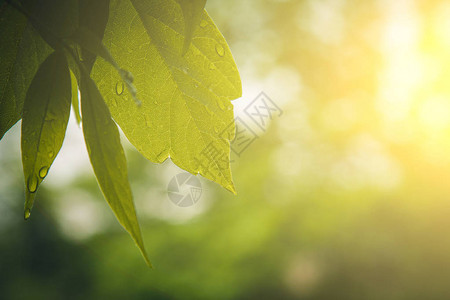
346,195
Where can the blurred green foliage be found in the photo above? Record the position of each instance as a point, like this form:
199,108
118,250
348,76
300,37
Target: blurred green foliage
345,197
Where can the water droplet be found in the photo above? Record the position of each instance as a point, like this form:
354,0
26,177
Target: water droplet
220,50
113,102
155,102
212,66
51,154
119,88
32,184
43,172
185,70
203,23
27,213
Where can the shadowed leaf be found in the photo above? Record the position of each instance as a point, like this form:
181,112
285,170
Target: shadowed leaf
21,53
93,16
45,115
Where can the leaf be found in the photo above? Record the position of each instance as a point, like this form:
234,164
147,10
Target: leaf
93,44
90,43
53,19
58,17
186,106
93,16
45,115
108,159
21,53
192,13
75,97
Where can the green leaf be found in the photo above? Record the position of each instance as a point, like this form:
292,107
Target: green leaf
186,106
93,16
108,159
58,17
75,98
93,19
21,53
90,43
45,115
192,13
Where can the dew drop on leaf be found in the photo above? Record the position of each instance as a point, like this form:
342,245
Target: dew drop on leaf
32,184
220,50
212,66
27,214
43,172
203,23
50,154
119,88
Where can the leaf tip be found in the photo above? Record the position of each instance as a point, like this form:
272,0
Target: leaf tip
147,261
144,253
232,189
28,205
26,214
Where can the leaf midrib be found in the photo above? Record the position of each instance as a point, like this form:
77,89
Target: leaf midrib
42,123
102,157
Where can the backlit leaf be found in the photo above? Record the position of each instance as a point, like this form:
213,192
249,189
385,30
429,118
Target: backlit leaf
90,43
107,158
186,109
45,114
192,13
